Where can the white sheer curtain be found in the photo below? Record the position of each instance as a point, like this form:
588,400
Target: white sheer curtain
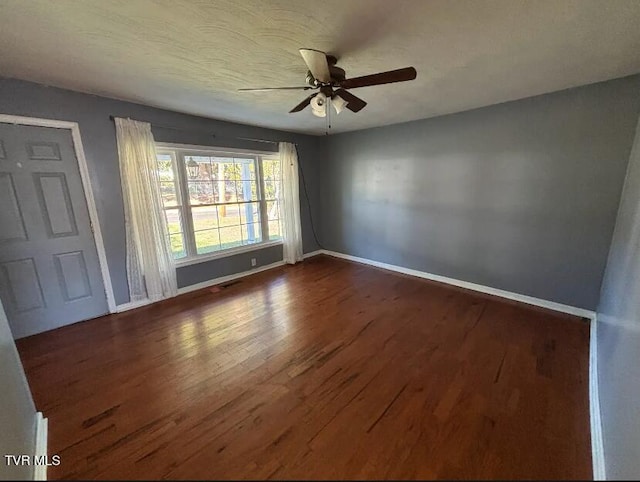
292,248
150,268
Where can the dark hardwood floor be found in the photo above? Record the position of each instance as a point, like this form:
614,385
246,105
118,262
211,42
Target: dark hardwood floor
326,369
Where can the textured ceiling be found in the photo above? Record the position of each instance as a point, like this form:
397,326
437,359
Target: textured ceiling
190,56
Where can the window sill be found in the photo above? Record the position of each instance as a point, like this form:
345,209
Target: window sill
225,254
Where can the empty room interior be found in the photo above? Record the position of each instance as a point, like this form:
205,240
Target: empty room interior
301,240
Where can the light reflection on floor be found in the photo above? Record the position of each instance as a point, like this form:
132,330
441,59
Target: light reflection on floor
265,320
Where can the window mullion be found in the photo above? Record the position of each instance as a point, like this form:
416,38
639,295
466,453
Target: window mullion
264,222
187,220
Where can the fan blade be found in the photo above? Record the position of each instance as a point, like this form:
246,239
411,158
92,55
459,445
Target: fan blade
317,63
354,104
400,75
302,104
265,89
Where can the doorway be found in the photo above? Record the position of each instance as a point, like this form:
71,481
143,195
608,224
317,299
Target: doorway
51,271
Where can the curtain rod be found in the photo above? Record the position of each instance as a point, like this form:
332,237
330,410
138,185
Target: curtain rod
163,126
263,140
257,140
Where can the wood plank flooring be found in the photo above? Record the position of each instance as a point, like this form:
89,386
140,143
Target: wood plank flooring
327,369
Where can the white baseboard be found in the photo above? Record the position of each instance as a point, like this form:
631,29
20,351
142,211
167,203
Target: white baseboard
42,429
225,279
597,443
216,281
312,253
132,305
530,300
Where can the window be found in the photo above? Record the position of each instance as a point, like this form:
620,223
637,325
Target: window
216,200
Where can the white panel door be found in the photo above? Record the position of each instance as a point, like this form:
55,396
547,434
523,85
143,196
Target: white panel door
49,270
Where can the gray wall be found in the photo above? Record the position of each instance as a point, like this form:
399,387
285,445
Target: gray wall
17,411
619,335
98,136
197,273
520,196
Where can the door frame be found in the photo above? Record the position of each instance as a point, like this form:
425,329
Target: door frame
86,184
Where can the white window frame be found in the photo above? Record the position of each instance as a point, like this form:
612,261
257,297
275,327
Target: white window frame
184,207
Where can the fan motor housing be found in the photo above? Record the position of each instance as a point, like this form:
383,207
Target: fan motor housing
337,75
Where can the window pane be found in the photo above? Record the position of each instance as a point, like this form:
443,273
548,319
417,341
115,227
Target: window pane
244,167
174,222
273,210
271,169
226,175
230,237
177,246
275,231
168,193
247,170
251,233
165,167
229,215
249,213
205,170
201,192
271,189
218,176
204,217
207,241
230,191
247,190
198,167
227,167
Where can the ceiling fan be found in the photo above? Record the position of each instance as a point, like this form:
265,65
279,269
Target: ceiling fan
325,76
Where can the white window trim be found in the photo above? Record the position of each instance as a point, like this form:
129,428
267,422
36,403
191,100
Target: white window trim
207,150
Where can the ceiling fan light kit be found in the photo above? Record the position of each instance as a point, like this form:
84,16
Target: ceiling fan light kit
326,76
338,103
319,105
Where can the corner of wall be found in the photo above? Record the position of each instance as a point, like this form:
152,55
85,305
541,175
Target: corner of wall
597,443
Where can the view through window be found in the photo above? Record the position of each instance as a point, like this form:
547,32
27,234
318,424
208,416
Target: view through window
215,200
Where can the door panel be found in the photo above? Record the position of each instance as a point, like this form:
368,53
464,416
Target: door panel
24,289
49,270
43,151
11,218
73,275
55,204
